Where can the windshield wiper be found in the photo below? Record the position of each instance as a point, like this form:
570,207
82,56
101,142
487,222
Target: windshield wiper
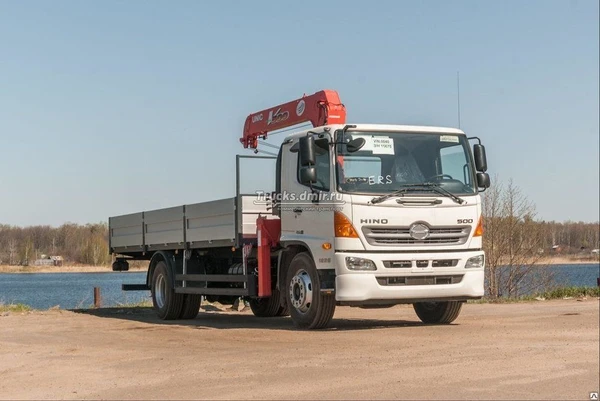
379,199
429,185
443,191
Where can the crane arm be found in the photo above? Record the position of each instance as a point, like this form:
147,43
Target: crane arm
321,108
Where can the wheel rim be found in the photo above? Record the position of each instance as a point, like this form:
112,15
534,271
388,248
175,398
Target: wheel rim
160,290
301,291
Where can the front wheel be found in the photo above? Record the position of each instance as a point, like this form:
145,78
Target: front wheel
438,312
308,306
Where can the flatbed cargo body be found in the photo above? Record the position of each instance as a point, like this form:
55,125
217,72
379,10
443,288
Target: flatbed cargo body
220,223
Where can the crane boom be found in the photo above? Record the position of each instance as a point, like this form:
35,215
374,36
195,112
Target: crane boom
321,108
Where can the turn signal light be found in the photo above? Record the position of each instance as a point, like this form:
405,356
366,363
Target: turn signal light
479,228
343,227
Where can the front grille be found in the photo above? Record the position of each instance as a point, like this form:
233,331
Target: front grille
401,236
392,264
397,263
444,263
420,280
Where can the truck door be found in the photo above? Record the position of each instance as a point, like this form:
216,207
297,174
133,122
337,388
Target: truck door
303,220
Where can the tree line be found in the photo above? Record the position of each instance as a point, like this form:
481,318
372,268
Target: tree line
75,243
513,236
516,243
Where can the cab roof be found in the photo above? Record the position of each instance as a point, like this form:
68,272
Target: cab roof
383,128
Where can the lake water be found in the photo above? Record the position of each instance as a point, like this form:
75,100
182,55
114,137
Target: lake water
70,290
75,290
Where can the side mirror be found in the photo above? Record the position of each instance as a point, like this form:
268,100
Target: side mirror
322,144
480,159
308,175
355,145
483,180
307,151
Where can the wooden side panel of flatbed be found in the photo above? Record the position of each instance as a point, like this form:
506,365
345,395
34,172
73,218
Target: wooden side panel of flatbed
200,225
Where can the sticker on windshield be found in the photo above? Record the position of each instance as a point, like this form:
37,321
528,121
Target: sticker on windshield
449,138
379,145
383,145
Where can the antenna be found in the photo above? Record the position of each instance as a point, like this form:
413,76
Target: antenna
458,95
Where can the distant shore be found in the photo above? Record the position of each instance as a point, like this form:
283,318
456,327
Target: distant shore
65,269
565,260
555,260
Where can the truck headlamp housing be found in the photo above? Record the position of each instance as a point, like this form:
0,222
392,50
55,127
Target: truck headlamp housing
475,262
353,263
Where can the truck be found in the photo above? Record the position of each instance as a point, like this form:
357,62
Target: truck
361,215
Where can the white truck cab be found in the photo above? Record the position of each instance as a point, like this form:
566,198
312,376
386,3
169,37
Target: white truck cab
399,220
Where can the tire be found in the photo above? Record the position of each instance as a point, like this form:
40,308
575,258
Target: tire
266,307
308,306
438,312
191,306
166,302
284,310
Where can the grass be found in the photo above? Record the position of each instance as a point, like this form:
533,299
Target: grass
557,293
141,304
574,292
15,308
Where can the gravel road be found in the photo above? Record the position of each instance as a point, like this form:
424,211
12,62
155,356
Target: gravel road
540,350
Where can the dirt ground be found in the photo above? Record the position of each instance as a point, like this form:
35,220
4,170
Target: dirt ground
541,350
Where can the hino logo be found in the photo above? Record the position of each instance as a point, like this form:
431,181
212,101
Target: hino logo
373,221
419,231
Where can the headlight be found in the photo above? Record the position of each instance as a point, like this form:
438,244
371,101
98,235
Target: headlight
353,263
475,262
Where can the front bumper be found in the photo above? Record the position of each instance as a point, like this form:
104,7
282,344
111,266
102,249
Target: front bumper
408,283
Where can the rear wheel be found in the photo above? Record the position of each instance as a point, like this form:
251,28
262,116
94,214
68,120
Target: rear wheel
284,310
438,312
191,306
267,307
308,306
166,302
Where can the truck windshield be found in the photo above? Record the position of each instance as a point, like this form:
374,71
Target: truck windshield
392,160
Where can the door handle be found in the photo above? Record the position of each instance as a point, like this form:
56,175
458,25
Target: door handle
297,210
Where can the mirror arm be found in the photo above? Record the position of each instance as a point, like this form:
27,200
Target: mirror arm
474,137
347,127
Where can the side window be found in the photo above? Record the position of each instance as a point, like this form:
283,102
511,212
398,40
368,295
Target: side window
453,163
323,165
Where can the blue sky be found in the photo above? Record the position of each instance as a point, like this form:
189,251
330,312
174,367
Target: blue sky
114,107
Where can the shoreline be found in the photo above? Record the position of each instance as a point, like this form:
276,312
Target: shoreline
4,269
107,269
567,261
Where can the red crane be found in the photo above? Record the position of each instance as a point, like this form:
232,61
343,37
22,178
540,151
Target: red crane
321,108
